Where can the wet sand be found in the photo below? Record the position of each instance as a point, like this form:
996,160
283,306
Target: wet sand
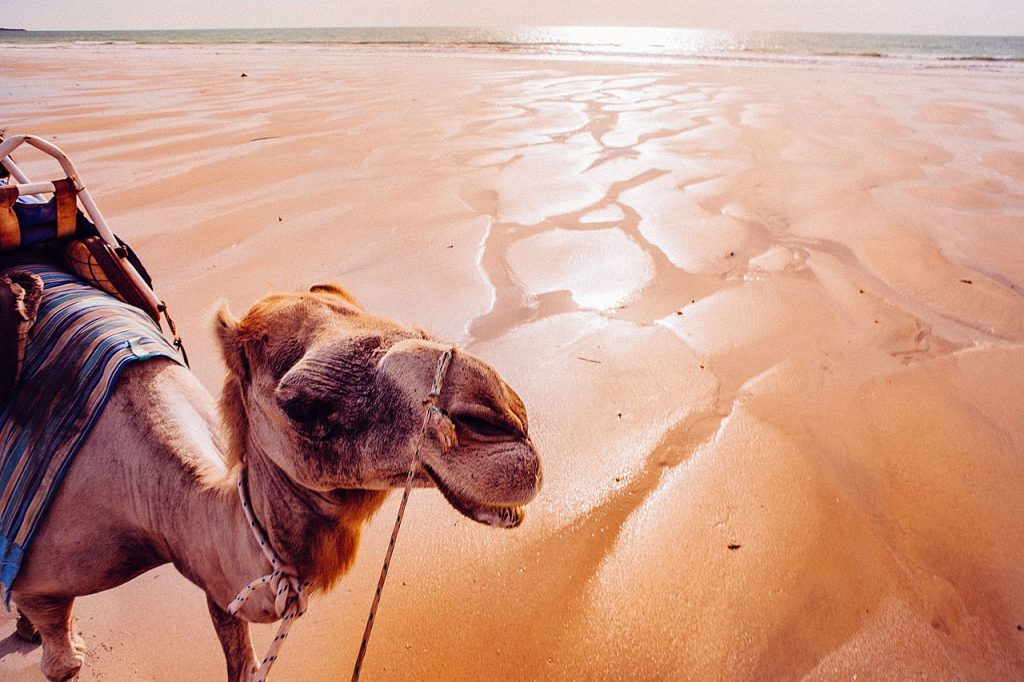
767,320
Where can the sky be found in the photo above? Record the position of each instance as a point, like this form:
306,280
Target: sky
967,17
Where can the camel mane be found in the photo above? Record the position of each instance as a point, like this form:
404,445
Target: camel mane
332,546
234,420
231,403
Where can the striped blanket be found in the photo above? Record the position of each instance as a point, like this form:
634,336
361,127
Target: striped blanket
80,342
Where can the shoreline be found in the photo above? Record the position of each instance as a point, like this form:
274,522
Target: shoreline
1011,67
632,44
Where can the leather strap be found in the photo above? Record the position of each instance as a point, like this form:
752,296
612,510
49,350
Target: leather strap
10,230
67,207
114,268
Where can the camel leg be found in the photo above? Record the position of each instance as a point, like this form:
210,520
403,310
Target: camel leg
63,652
233,634
25,631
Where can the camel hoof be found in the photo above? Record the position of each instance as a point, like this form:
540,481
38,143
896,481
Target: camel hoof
71,675
66,667
27,632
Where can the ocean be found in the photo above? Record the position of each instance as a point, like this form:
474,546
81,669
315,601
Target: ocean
578,40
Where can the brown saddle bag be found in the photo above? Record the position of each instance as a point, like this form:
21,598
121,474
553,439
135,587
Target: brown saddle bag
95,261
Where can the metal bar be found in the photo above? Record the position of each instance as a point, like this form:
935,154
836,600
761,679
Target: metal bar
12,143
35,188
12,167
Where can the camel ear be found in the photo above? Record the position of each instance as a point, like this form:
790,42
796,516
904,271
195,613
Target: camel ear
334,289
230,340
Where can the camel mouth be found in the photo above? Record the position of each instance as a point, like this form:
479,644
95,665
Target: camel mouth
497,516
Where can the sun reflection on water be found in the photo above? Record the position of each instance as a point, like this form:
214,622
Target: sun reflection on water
635,40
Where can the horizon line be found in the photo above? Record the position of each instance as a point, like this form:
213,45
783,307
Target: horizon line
518,26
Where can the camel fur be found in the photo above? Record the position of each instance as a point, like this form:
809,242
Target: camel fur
20,295
321,406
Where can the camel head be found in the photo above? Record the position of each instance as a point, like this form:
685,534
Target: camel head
334,397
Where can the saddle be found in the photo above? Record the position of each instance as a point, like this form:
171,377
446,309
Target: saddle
32,227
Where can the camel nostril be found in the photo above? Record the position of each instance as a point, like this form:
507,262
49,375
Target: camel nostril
484,428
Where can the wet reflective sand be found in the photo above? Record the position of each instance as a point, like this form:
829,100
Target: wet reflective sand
767,321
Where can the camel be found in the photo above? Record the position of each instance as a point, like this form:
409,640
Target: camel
321,410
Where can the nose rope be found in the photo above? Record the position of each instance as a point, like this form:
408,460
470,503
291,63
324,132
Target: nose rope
431,415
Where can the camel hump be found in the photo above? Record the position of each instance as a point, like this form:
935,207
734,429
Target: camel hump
20,294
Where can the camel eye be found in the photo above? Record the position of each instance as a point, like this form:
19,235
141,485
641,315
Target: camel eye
315,419
308,411
482,427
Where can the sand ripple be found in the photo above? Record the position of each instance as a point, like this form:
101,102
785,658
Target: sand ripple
768,323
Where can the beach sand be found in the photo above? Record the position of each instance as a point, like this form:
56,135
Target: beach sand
767,320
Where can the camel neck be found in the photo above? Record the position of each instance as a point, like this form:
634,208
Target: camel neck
212,523
316,533
285,511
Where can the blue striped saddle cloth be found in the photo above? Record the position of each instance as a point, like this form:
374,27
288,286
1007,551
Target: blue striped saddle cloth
81,340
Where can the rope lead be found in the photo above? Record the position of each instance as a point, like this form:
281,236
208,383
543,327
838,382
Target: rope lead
432,412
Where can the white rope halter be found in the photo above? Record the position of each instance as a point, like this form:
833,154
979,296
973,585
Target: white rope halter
289,591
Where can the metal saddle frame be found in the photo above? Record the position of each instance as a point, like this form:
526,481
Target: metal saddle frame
72,184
